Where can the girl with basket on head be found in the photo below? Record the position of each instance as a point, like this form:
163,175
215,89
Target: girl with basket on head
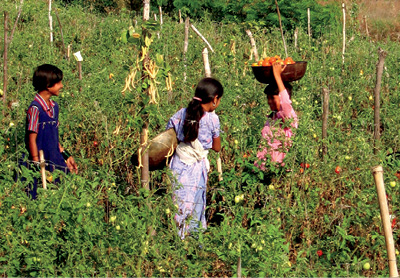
197,129
276,135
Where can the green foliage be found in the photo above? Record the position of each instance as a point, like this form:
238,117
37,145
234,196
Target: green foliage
102,223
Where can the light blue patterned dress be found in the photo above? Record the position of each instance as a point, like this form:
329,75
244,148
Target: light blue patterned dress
190,180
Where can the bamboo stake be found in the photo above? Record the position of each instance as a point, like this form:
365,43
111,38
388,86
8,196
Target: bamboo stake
379,70
61,32
180,17
309,22
344,32
380,189
185,46
325,113
160,12
239,267
43,168
144,157
5,57
16,21
280,25
253,45
208,74
207,69
366,25
146,10
202,37
50,23
296,33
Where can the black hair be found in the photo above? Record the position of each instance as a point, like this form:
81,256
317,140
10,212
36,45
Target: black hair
46,76
207,89
273,90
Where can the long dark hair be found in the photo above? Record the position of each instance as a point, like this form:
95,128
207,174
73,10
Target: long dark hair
207,89
273,90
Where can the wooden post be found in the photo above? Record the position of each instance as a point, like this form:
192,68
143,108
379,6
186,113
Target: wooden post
61,32
309,22
160,12
202,37
144,157
296,33
280,24
344,32
366,25
239,267
207,71
50,23
325,113
380,189
43,168
16,22
146,10
379,70
253,45
180,17
68,52
185,46
5,57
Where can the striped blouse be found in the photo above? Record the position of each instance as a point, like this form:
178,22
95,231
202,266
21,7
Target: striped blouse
33,113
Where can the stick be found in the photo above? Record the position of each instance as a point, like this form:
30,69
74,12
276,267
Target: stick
366,25
145,157
43,168
160,11
15,22
146,10
207,71
62,35
309,22
280,24
5,57
380,189
253,45
80,70
180,17
296,33
239,267
201,36
344,31
50,23
325,113
185,46
379,70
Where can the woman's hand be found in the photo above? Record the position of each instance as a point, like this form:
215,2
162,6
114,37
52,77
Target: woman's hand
72,165
277,70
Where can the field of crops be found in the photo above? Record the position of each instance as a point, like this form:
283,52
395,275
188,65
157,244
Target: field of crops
291,221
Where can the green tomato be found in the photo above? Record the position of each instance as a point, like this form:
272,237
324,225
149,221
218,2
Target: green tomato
366,266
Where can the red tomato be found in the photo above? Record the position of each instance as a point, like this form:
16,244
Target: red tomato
272,60
338,170
266,63
95,144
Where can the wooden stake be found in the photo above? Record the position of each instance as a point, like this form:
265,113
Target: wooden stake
43,169
239,267
144,157
344,32
379,70
280,24
309,22
207,69
325,113
146,10
253,45
185,46
80,70
50,23
5,57
160,12
380,189
180,17
16,22
201,36
366,25
296,33
61,32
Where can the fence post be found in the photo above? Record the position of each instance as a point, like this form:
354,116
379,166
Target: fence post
379,70
377,171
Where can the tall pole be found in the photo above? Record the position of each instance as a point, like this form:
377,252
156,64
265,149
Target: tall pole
5,57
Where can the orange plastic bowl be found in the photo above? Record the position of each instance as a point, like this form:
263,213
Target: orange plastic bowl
291,73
